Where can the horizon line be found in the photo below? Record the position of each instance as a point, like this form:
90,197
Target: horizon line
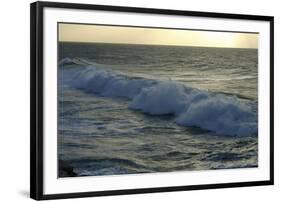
93,42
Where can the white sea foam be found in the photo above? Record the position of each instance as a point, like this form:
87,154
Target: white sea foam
220,114
74,61
66,61
109,83
190,106
166,97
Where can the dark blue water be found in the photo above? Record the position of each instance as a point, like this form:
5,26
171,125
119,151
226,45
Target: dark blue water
134,109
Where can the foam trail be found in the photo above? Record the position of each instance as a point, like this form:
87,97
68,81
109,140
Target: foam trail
190,106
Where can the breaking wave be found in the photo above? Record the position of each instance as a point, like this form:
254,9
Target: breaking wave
222,114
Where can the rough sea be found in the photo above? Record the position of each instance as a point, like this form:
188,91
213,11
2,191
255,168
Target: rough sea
125,109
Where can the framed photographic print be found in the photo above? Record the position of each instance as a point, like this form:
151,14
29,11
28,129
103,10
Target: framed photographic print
131,100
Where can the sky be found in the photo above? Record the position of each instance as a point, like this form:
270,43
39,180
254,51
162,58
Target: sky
155,36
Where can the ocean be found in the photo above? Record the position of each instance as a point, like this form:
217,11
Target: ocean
129,109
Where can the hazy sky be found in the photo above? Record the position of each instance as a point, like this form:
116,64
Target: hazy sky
136,35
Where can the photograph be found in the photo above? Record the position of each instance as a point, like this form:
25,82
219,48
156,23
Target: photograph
137,100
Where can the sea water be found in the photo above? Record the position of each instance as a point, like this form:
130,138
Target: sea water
125,109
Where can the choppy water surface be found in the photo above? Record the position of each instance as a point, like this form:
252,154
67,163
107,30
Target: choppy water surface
133,109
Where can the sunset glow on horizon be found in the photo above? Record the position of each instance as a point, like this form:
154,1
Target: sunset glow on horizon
155,36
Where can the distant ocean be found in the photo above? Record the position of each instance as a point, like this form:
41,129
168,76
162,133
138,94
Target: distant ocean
126,109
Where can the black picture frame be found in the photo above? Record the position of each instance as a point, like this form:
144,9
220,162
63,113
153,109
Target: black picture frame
37,99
